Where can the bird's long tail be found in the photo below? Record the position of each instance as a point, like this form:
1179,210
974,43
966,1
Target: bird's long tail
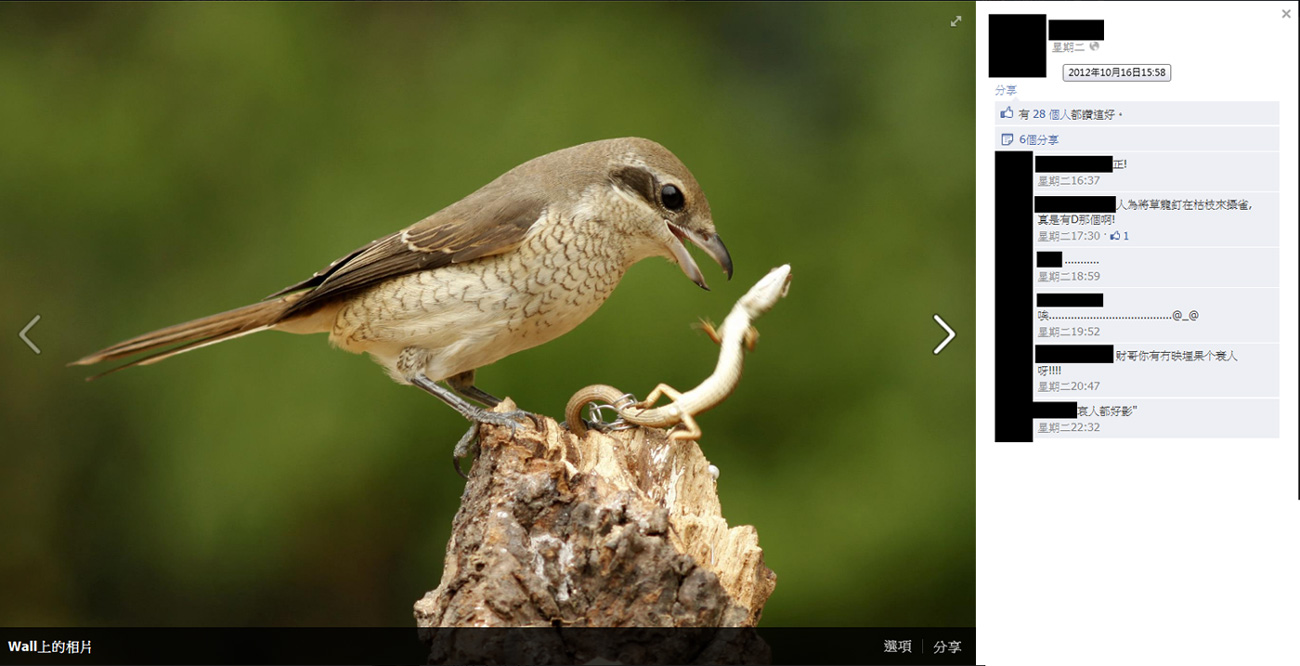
192,334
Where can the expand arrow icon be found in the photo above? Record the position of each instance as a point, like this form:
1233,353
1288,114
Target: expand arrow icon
939,320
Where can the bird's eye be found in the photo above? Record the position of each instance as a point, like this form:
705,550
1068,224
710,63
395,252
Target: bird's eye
672,197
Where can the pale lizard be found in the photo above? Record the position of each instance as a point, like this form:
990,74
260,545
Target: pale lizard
735,335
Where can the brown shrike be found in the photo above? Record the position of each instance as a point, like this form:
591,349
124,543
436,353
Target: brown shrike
519,262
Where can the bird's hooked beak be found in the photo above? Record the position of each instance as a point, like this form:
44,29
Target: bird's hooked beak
712,245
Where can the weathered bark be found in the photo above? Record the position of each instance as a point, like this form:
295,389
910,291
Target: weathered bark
622,529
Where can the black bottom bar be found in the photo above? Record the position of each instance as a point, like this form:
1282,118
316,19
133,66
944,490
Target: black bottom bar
1074,353
1070,300
542,645
1056,410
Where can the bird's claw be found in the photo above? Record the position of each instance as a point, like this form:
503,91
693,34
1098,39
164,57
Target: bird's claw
469,441
512,419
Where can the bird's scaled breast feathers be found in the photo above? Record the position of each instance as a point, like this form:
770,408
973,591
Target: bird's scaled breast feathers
475,313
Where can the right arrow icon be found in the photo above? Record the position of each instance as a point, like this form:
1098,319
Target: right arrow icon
939,320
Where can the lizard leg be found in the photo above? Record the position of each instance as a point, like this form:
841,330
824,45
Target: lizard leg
660,390
464,385
711,331
691,430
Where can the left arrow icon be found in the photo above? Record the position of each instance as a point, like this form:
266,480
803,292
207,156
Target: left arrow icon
23,334
939,320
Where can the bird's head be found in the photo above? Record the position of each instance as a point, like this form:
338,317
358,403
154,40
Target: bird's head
662,204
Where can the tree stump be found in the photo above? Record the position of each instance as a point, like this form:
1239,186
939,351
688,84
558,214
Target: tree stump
618,529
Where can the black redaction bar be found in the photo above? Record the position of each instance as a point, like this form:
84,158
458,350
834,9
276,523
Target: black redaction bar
1050,260
1069,300
1017,45
1074,164
1070,30
1074,353
1055,410
1074,204
1013,302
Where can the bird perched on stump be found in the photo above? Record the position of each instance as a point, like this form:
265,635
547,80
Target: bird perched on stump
519,262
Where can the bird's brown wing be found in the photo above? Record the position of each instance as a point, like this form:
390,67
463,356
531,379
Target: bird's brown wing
456,234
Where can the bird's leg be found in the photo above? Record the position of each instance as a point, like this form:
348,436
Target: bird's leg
470,412
476,415
464,385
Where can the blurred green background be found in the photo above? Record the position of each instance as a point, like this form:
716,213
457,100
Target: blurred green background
161,162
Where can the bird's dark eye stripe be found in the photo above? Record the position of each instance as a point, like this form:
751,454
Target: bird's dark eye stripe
672,197
637,180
